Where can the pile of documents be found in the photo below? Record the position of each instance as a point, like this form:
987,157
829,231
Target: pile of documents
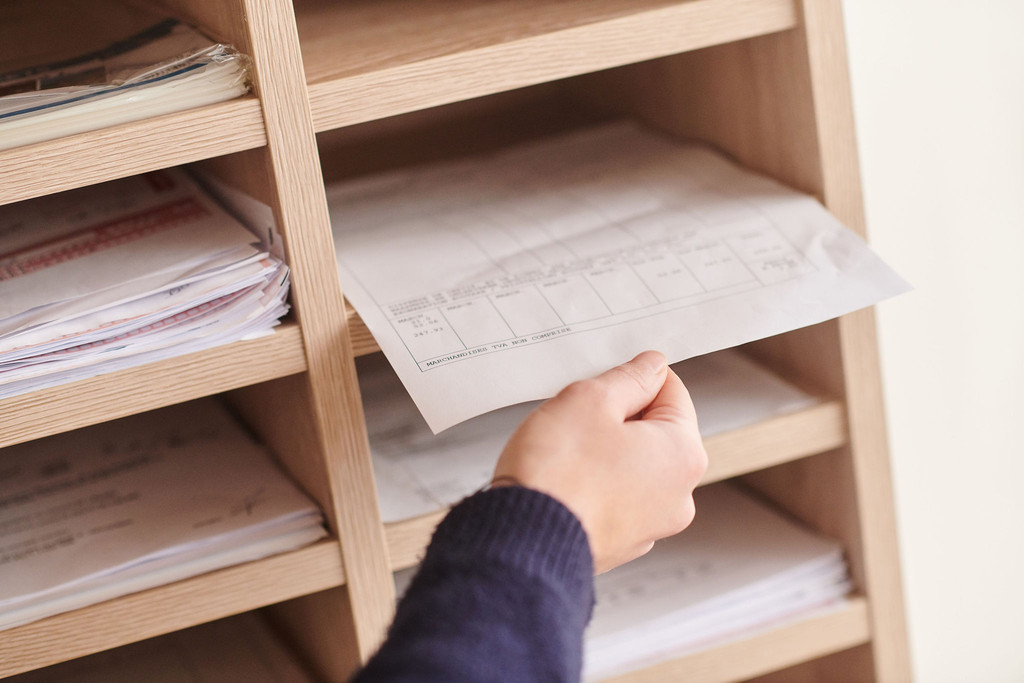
740,568
501,279
139,66
419,473
125,273
242,649
127,505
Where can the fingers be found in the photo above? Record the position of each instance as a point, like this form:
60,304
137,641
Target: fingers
672,404
630,387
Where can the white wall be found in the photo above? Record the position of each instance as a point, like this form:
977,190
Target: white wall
939,98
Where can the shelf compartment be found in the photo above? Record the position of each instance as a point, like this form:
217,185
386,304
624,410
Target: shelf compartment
767,651
131,148
172,607
155,385
781,439
413,55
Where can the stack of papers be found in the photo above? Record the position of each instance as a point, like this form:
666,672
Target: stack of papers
500,279
241,649
125,273
144,66
739,568
127,505
418,473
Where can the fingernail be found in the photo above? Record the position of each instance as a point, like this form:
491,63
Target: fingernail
653,362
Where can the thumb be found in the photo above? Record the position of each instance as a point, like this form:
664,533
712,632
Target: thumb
632,386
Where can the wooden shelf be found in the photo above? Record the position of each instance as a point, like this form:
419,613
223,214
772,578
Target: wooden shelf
170,608
402,55
363,342
130,148
781,439
147,387
767,651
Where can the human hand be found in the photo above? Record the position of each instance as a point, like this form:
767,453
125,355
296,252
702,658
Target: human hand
621,451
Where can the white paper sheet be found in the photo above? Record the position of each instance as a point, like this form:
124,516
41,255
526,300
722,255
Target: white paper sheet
418,473
501,279
94,239
739,568
126,505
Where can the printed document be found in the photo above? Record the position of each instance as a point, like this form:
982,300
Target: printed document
740,567
125,273
501,279
126,505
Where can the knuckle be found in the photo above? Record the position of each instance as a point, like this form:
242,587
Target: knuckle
683,514
699,462
673,414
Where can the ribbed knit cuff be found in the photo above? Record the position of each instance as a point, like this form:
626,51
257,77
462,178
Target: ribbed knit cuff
524,530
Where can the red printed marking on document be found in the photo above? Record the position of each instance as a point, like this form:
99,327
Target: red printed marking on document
97,238
191,314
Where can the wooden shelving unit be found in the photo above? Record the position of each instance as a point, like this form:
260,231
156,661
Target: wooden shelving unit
357,86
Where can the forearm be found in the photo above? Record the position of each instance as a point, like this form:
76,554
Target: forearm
504,593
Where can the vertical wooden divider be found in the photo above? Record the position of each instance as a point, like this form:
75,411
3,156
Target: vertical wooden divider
841,190
332,386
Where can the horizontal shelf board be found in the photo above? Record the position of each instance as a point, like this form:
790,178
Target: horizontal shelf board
170,608
412,54
817,429
147,387
130,148
767,651
770,442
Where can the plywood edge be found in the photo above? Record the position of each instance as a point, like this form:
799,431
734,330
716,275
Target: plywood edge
767,651
155,385
407,540
550,56
362,339
127,149
170,608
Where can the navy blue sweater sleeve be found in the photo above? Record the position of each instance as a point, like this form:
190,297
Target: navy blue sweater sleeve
503,594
